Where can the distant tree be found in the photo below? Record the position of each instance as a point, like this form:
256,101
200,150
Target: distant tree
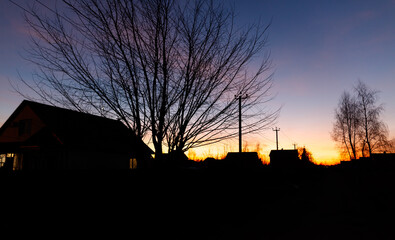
168,69
346,127
358,127
305,155
373,132
391,146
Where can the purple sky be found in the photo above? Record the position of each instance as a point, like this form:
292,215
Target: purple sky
318,48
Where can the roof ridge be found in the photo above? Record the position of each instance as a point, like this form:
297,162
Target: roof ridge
29,102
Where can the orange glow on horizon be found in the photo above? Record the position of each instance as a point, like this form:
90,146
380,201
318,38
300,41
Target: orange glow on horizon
321,154
323,149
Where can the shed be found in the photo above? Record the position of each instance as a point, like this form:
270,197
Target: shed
285,158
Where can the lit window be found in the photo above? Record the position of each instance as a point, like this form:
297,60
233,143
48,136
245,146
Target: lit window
133,163
17,164
2,160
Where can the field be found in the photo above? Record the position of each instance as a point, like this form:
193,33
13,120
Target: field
314,203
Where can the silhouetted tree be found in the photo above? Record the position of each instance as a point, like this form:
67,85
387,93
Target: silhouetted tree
168,69
391,146
357,124
373,131
345,128
305,155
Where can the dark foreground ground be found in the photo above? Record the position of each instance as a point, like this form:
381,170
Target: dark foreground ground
319,203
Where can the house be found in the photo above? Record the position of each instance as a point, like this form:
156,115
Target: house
247,160
175,159
384,157
285,158
376,160
42,137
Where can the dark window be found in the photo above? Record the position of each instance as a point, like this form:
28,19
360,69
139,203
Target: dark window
25,127
21,127
28,126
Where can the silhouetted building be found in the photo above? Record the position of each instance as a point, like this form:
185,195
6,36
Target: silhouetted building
41,137
175,159
381,160
285,158
383,156
242,160
211,163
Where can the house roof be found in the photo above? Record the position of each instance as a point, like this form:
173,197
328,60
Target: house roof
284,153
83,130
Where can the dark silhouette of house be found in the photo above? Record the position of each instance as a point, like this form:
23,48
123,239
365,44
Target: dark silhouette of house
285,158
384,160
377,160
383,156
42,137
247,160
212,163
175,159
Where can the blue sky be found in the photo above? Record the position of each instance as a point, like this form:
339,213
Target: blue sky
318,48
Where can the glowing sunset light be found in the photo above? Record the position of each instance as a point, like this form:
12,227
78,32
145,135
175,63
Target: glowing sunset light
206,119
318,50
324,153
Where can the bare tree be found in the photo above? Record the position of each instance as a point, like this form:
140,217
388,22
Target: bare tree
358,126
215,56
168,69
373,131
346,126
391,146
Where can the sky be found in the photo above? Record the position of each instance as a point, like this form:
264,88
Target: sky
318,48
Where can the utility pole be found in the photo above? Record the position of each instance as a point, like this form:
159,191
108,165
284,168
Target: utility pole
276,129
240,97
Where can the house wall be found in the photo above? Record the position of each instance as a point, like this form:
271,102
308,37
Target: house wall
97,160
63,160
284,158
11,133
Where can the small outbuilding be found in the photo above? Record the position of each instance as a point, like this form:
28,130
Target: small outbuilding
246,160
285,158
42,137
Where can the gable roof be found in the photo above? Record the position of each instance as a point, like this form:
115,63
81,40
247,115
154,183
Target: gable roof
83,130
284,153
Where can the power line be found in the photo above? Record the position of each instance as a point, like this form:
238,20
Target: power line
290,139
293,142
266,138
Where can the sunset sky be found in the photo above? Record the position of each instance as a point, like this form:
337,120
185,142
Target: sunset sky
318,49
